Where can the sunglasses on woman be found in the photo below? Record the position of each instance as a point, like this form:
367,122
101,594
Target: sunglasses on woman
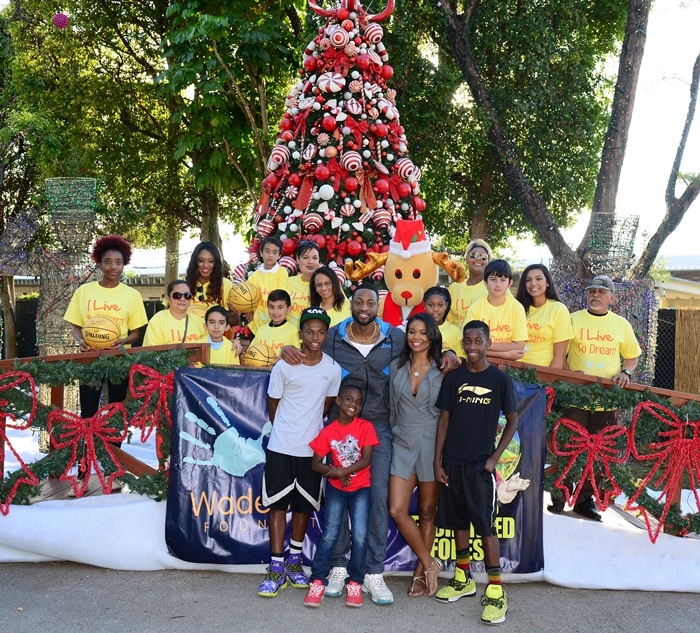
476,255
182,295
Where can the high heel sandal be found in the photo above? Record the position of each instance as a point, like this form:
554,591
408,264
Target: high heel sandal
417,587
431,576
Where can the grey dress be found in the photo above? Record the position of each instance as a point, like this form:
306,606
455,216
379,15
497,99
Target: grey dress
413,422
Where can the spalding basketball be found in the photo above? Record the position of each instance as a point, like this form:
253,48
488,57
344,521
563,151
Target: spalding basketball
244,296
198,309
258,355
101,331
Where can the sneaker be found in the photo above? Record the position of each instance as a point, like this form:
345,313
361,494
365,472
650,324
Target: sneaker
274,581
295,572
458,587
353,594
495,605
336,582
586,508
375,586
315,594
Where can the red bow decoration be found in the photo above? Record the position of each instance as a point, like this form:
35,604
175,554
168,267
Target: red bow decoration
304,195
153,384
337,170
367,197
676,451
550,393
73,431
357,129
394,181
600,448
8,381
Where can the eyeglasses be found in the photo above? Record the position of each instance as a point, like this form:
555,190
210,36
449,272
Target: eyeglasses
476,255
182,295
309,244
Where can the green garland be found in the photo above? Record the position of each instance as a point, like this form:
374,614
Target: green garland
630,474
63,373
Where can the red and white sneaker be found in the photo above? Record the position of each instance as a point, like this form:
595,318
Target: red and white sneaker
353,594
315,594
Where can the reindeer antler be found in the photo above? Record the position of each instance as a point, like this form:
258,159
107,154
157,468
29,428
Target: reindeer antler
359,270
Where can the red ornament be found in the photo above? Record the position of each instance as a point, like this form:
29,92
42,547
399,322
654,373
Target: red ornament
61,20
381,186
354,248
387,71
286,123
320,240
342,14
348,25
418,204
270,182
363,62
381,130
351,184
287,136
328,123
294,180
288,246
322,172
403,189
310,64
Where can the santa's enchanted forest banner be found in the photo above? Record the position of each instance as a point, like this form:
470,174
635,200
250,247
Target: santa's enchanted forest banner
215,512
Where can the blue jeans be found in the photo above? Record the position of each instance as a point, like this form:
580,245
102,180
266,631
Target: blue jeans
378,530
357,503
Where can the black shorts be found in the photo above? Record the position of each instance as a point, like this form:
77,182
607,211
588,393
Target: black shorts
288,479
470,498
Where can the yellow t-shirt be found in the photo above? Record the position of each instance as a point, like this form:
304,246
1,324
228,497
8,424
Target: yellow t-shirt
546,325
300,292
121,303
277,337
266,281
337,316
507,322
462,298
599,342
165,329
452,339
225,355
199,307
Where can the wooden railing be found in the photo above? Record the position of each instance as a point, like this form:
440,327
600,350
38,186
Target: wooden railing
199,353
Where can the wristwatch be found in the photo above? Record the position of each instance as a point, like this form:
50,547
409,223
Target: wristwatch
628,372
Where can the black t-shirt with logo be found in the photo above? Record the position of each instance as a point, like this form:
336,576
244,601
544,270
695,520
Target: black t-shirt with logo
475,401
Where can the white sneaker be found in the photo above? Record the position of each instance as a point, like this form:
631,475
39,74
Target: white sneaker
336,582
375,586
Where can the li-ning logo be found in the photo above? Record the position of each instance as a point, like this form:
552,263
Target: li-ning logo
477,398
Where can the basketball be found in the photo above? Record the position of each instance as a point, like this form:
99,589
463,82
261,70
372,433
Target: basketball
197,309
244,296
101,331
258,355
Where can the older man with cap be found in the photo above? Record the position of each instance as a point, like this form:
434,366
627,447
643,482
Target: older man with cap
605,345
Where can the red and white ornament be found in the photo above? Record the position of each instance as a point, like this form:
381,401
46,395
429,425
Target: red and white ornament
313,222
309,152
289,263
351,160
239,272
338,36
404,168
291,192
278,156
382,218
374,33
330,82
353,106
378,274
355,85
266,227
347,210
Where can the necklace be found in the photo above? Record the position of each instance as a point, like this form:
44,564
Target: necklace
365,341
418,370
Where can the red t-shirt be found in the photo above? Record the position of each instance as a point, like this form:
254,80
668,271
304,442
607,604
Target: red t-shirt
345,443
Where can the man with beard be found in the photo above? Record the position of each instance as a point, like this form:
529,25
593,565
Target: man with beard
364,347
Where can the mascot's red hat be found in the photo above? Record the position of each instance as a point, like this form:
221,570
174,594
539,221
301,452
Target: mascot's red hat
409,239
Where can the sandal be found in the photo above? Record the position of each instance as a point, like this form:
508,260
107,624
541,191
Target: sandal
417,587
431,576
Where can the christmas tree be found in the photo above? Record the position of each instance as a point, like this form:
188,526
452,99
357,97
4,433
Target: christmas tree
340,172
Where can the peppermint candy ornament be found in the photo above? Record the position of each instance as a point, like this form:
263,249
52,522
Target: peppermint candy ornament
266,227
374,33
312,223
347,210
338,37
404,168
382,218
330,82
288,263
351,160
278,156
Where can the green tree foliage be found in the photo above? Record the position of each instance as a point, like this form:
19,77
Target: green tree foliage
541,64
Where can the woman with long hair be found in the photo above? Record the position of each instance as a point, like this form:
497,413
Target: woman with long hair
175,324
108,297
308,260
548,319
206,280
326,293
414,385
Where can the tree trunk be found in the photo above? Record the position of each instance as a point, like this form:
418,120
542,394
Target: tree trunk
675,207
532,204
479,225
172,254
615,145
8,313
210,217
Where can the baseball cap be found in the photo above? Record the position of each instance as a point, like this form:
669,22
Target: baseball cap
601,282
314,313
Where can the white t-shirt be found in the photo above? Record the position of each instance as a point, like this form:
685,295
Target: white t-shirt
302,391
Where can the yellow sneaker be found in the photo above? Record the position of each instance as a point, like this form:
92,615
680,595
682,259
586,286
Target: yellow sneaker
495,605
458,587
